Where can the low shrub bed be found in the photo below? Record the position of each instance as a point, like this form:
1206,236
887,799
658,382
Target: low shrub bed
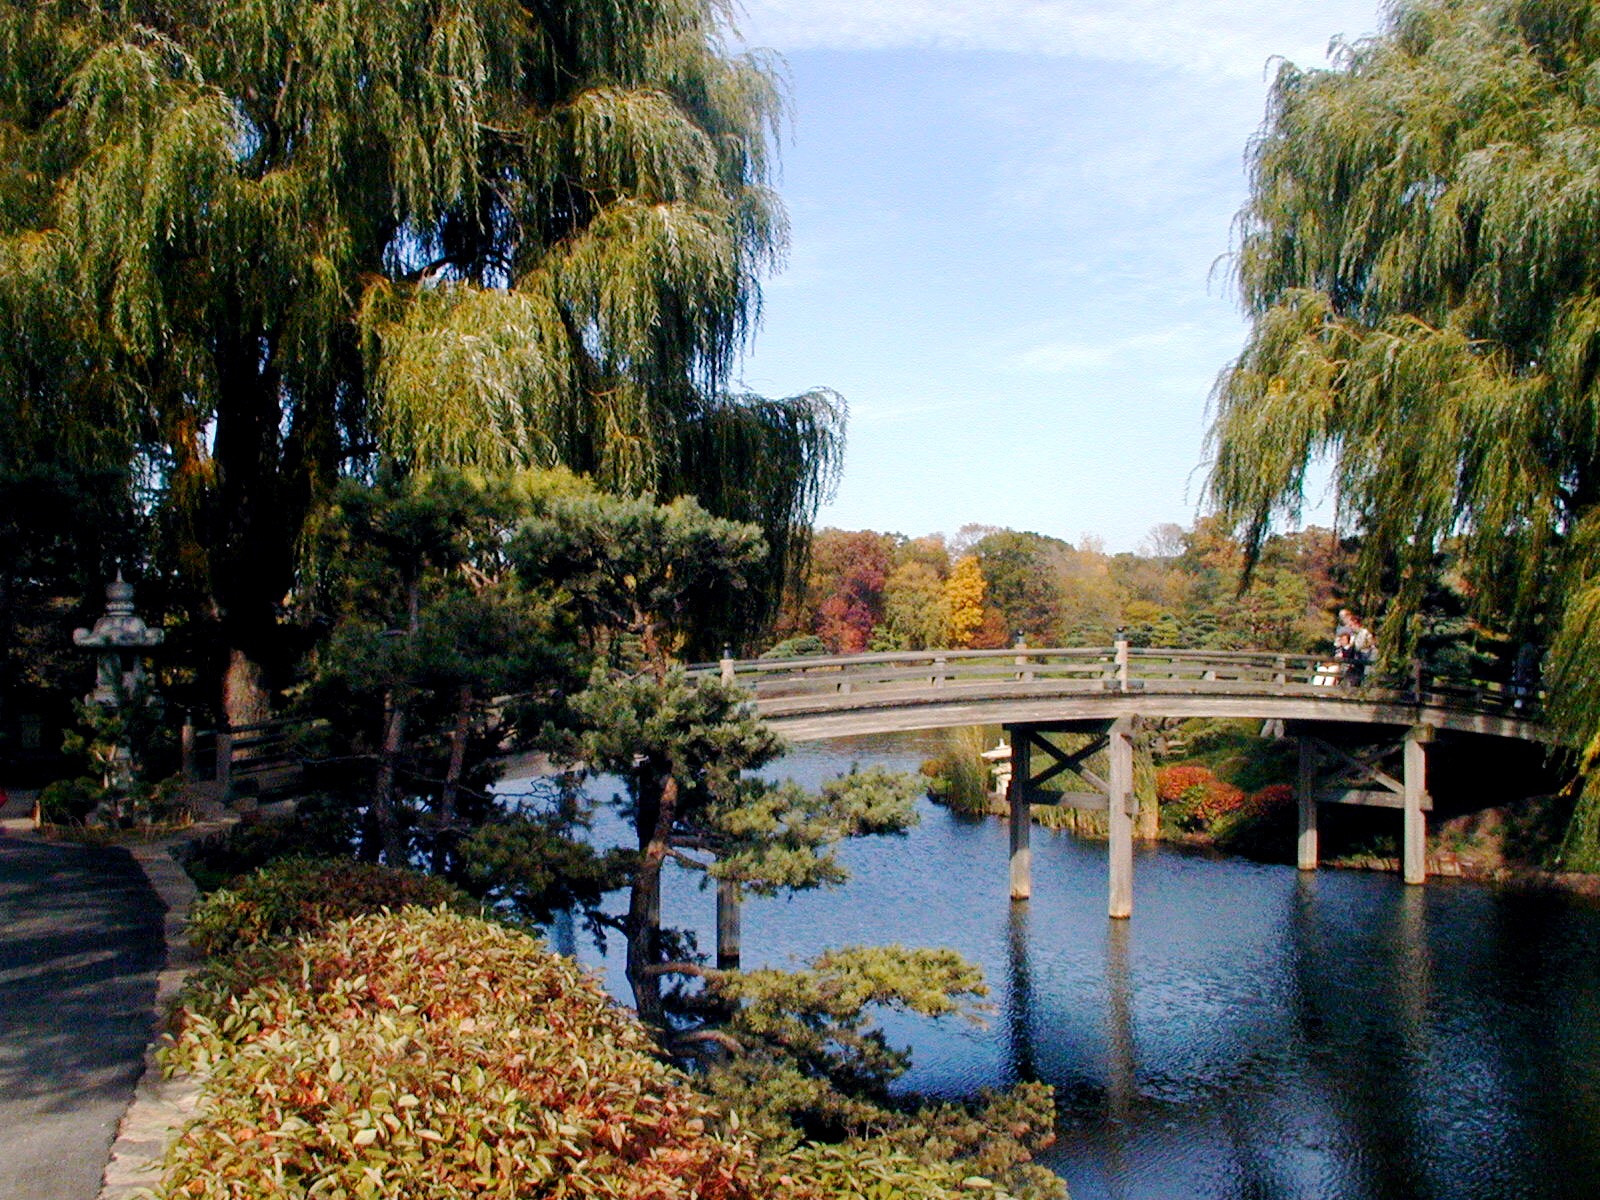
426,1053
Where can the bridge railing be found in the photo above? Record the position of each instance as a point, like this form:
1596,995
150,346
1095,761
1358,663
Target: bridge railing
1115,668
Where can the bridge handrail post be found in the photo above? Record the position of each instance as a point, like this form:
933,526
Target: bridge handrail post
939,663
224,763
726,664
186,750
1121,647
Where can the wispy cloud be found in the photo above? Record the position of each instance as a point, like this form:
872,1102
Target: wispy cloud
1213,37
1072,356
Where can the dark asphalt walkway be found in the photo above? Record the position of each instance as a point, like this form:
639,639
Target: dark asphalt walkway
80,945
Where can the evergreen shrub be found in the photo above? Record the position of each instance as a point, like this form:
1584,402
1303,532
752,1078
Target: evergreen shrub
318,829
294,896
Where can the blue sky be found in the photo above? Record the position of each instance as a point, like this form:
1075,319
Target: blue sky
1009,229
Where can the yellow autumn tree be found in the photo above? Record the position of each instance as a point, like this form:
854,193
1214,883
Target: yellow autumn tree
963,595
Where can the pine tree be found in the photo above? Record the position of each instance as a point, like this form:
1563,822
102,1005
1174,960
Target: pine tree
247,247
633,572
435,658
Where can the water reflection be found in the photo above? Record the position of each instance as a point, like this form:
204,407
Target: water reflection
1121,1072
1019,996
1253,1031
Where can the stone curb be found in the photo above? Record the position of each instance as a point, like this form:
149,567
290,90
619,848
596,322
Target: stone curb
160,1107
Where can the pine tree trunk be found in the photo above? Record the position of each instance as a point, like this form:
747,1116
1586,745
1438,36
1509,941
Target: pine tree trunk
385,824
446,815
643,924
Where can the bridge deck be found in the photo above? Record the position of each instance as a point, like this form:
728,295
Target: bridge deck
808,699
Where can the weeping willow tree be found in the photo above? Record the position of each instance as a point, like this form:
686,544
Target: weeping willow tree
251,246
1420,256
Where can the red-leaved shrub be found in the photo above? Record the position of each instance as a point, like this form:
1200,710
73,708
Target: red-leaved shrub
1273,796
1176,783
1200,797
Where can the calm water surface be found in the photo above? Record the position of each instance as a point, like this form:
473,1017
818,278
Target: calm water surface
1250,1032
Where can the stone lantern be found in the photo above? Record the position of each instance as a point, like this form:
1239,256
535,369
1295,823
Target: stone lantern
121,637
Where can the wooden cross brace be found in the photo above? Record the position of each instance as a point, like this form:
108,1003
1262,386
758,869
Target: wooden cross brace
1062,761
1359,780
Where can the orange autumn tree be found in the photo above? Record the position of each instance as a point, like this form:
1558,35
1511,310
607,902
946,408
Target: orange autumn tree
963,594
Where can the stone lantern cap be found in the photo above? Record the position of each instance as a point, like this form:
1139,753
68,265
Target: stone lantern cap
120,627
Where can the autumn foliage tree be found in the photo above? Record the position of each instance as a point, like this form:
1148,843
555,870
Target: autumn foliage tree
963,594
848,574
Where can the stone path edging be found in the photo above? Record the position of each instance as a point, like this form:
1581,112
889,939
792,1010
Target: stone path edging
160,1107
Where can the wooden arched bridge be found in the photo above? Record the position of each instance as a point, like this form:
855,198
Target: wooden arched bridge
1348,730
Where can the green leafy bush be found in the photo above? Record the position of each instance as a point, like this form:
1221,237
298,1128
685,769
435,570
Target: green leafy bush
292,896
318,829
799,646
69,801
83,800
422,1053
1262,825
427,1054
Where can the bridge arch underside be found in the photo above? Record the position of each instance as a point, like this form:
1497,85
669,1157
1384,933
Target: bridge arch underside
1365,747
814,718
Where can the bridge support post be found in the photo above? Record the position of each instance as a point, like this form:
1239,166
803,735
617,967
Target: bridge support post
1119,812
1306,793
727,925
224,771
1021,815
1414,839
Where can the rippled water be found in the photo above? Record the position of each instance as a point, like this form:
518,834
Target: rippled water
1251,1031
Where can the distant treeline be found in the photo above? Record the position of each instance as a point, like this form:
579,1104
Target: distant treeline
987,586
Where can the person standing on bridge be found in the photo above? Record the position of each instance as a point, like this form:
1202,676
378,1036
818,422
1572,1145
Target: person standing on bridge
1355,646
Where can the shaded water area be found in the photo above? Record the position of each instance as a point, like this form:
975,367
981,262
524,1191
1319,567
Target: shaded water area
1250,1032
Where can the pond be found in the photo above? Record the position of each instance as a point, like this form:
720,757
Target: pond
1252,1031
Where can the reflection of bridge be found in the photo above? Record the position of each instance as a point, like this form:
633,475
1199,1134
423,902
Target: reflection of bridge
1105,692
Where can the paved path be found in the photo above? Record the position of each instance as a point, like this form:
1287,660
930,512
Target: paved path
80,946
